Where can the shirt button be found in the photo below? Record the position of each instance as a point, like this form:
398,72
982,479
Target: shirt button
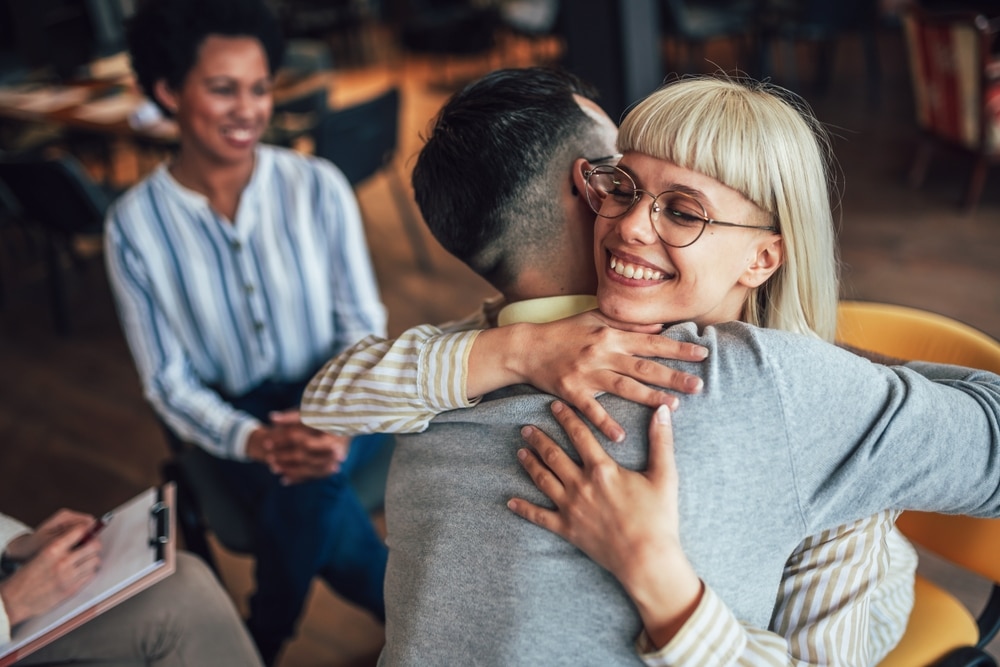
249,288
259,326
237,246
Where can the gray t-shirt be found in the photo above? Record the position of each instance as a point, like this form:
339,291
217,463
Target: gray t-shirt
790,436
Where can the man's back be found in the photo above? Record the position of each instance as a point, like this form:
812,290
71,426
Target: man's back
762,456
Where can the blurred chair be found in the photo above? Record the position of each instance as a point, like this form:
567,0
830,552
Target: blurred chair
534,22
306,56
296,116
941,631
203,505
822,25
694,23
956,90
344,26
362,141
448,30
58,195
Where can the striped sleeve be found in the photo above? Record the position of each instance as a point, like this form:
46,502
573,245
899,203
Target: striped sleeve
391,386
842,601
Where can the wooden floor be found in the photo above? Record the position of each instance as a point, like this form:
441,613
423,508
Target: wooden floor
77,432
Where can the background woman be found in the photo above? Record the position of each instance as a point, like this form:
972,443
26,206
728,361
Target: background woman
237,269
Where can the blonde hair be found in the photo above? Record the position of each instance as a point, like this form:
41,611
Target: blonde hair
764,142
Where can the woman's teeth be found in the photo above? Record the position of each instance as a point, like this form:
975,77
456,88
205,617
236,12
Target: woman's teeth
239,134
628,270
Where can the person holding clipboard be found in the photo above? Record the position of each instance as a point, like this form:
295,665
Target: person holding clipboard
185,619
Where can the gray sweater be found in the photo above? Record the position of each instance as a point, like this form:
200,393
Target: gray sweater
791,436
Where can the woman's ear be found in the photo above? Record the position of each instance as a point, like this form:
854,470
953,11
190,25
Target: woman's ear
770,255
165,95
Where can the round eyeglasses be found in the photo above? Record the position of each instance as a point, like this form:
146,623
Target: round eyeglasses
611,193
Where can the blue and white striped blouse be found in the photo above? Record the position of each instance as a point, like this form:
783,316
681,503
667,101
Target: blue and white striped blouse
208,304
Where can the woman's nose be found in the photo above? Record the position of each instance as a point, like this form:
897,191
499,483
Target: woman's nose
636,226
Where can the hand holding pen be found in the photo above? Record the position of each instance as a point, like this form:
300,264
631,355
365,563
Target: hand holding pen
57,569
24,547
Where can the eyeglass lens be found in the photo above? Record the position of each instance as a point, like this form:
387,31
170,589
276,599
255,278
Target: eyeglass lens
677,218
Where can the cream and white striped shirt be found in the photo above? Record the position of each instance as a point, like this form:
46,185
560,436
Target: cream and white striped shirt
845,595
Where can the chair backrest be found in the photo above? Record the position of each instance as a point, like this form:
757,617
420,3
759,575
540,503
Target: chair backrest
360,139
914,334
55,192
948,55
312,101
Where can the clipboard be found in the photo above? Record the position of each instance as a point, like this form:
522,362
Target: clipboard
138,551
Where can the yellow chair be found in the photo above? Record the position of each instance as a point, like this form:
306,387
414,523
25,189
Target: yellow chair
941,631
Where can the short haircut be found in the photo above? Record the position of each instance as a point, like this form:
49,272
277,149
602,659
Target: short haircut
764,142
164,36
487,179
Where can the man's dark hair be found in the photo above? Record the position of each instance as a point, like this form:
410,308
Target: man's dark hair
164,36
488,178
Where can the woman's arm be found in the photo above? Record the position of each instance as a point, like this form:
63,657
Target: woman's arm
578,359
397,386
381,385
686,623
193,411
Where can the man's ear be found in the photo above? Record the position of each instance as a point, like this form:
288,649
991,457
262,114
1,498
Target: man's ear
165,95
770,255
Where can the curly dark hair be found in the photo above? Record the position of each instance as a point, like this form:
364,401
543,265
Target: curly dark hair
164,35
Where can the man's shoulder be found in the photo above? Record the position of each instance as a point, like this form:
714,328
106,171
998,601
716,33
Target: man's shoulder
734,340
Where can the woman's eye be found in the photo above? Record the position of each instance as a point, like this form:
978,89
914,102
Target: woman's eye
682,217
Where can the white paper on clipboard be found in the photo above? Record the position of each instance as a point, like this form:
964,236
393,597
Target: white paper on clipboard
138,550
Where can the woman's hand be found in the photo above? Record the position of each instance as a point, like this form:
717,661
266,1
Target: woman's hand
580,357
300,453
52,575
627,522
26,546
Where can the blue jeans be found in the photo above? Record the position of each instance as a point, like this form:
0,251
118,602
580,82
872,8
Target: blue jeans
312,528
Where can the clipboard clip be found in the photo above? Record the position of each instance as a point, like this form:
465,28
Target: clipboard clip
159,527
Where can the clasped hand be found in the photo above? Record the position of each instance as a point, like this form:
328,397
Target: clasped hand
295,451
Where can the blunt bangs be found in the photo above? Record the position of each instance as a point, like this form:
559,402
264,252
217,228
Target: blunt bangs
735,132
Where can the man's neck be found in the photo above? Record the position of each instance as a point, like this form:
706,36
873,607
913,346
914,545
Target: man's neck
545,309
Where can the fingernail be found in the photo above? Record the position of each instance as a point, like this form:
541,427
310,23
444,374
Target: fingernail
557,407
663,415
701,352
522,454
526,431
619,436
695,383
